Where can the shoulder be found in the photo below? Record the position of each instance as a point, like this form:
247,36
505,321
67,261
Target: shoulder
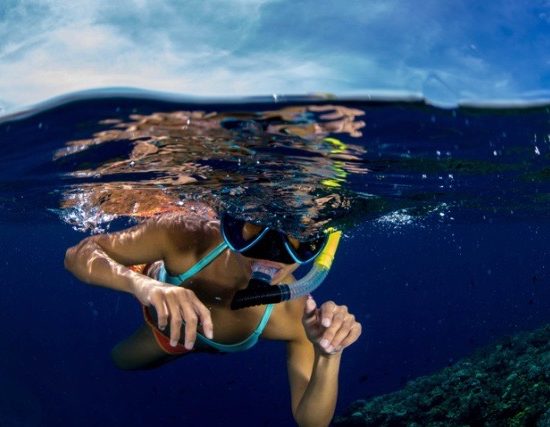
286,321
188,230
171,233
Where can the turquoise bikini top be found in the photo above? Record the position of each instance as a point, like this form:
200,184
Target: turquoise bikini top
178,280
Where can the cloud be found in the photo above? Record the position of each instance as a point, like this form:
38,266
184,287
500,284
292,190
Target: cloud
245,47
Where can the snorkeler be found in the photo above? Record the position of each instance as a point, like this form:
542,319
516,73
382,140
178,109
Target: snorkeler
213,262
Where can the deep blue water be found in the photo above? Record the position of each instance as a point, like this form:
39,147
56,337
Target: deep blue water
468,266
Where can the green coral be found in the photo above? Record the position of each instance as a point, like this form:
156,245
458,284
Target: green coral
507,384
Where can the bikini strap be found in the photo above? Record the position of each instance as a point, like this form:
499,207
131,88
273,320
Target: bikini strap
211,256
265,318
245,344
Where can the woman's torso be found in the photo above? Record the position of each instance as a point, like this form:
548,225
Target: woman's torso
216,284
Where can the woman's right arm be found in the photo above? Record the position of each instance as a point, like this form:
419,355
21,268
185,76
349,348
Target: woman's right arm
102,260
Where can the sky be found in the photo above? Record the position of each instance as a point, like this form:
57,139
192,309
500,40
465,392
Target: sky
447,51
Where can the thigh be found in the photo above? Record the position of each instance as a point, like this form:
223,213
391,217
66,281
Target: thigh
140,351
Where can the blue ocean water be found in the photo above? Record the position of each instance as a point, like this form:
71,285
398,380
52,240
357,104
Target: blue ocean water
445,214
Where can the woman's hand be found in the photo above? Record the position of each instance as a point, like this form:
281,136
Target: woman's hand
177,305
331,328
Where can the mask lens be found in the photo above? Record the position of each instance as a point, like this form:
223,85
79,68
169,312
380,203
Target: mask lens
239,234
259,242
308,250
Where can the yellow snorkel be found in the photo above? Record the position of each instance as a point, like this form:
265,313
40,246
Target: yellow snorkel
325,258
265,293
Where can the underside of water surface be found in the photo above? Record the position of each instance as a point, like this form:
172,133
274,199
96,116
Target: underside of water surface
299,163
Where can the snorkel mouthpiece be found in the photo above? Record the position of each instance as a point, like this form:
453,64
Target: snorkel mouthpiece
260,291
262,275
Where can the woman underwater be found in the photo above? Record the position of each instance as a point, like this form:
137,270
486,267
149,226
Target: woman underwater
215,259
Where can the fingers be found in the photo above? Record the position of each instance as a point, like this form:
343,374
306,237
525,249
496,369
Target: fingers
205,319
310,319
190,327
172,300
328,337
354,334
156,299
181,307
341,328
309,307
327,313
346,328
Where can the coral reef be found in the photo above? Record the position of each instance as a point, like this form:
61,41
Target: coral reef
506,384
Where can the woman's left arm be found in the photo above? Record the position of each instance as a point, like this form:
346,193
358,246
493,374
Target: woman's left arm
314,361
